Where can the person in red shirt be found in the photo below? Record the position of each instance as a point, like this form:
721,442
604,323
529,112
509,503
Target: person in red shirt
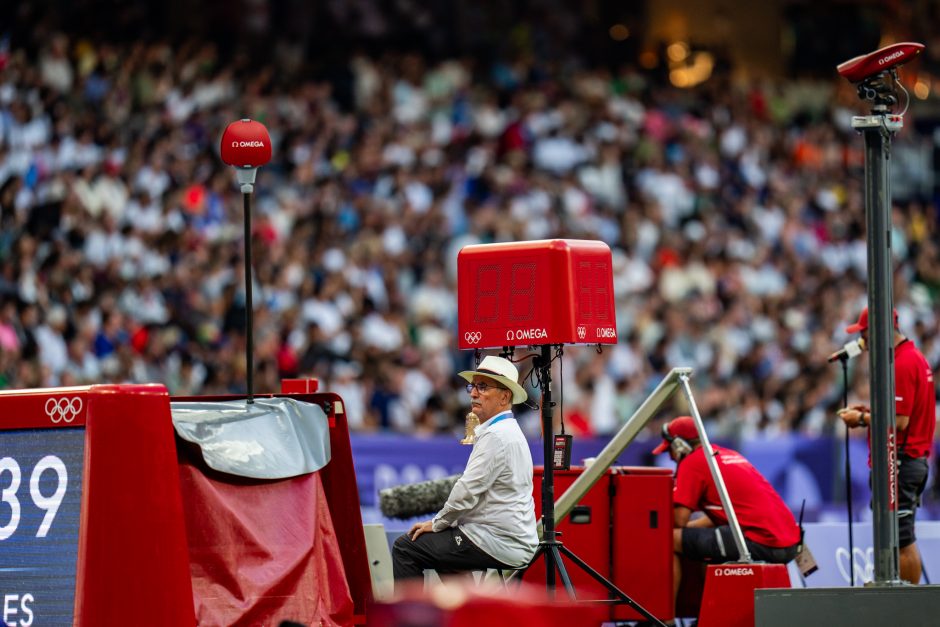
916,418
770,531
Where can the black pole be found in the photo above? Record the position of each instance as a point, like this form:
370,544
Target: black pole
548,472
249,314
848,472
881,347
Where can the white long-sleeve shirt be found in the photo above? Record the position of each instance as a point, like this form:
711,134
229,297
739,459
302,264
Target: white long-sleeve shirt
492,501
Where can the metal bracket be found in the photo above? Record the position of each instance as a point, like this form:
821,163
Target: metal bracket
890,122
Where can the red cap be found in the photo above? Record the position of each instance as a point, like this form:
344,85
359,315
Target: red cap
862,323
681,427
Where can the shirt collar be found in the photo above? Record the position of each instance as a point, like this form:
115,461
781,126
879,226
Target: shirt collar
500,416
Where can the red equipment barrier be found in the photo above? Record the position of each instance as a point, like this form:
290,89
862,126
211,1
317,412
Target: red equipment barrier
586,531
642,548
622,528
728,600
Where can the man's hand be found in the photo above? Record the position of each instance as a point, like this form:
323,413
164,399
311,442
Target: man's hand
418,528
855,416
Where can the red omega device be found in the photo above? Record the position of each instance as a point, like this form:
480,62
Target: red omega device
864,66
556,291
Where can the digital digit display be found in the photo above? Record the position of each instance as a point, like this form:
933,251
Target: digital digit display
593,291
486,307
40,504
504,295
522,293
532,293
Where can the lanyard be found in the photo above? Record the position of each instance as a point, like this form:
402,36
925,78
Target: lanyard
503,416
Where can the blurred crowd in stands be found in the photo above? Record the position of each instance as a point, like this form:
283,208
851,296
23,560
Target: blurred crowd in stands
734,211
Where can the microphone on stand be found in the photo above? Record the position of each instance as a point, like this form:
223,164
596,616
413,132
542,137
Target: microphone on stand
416,499
849,351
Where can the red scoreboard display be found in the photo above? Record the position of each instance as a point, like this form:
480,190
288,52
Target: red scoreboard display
91,517
540,292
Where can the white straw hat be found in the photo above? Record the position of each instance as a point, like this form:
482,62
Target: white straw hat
499,369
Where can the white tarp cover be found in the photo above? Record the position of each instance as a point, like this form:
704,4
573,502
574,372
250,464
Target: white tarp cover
272,438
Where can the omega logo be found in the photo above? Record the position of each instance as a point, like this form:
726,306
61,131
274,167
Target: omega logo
892,476
891,57
63,409
740,571
607,332
250,144
525,334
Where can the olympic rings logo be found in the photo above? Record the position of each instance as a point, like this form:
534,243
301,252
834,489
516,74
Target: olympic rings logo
63,409
861,566
472,337
582,333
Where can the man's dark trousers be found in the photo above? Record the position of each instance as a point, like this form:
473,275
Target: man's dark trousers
448,552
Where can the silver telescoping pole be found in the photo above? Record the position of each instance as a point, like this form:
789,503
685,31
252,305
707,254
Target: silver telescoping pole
745,555
628,432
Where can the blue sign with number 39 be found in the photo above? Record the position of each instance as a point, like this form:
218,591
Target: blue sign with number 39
40,504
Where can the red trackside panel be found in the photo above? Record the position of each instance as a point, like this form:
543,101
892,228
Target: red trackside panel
133,565
586,531
728,600
342,494
642,544
624,532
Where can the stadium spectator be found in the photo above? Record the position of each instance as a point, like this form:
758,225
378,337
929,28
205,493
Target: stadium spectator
734,214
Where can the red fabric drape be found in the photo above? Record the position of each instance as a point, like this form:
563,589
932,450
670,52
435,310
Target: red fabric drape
262,551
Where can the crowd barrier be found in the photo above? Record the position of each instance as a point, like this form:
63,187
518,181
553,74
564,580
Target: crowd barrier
829,543
799,467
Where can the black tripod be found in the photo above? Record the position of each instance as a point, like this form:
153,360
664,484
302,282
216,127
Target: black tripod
550,548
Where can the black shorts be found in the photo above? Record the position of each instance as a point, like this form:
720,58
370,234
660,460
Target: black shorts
912,479
715,545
